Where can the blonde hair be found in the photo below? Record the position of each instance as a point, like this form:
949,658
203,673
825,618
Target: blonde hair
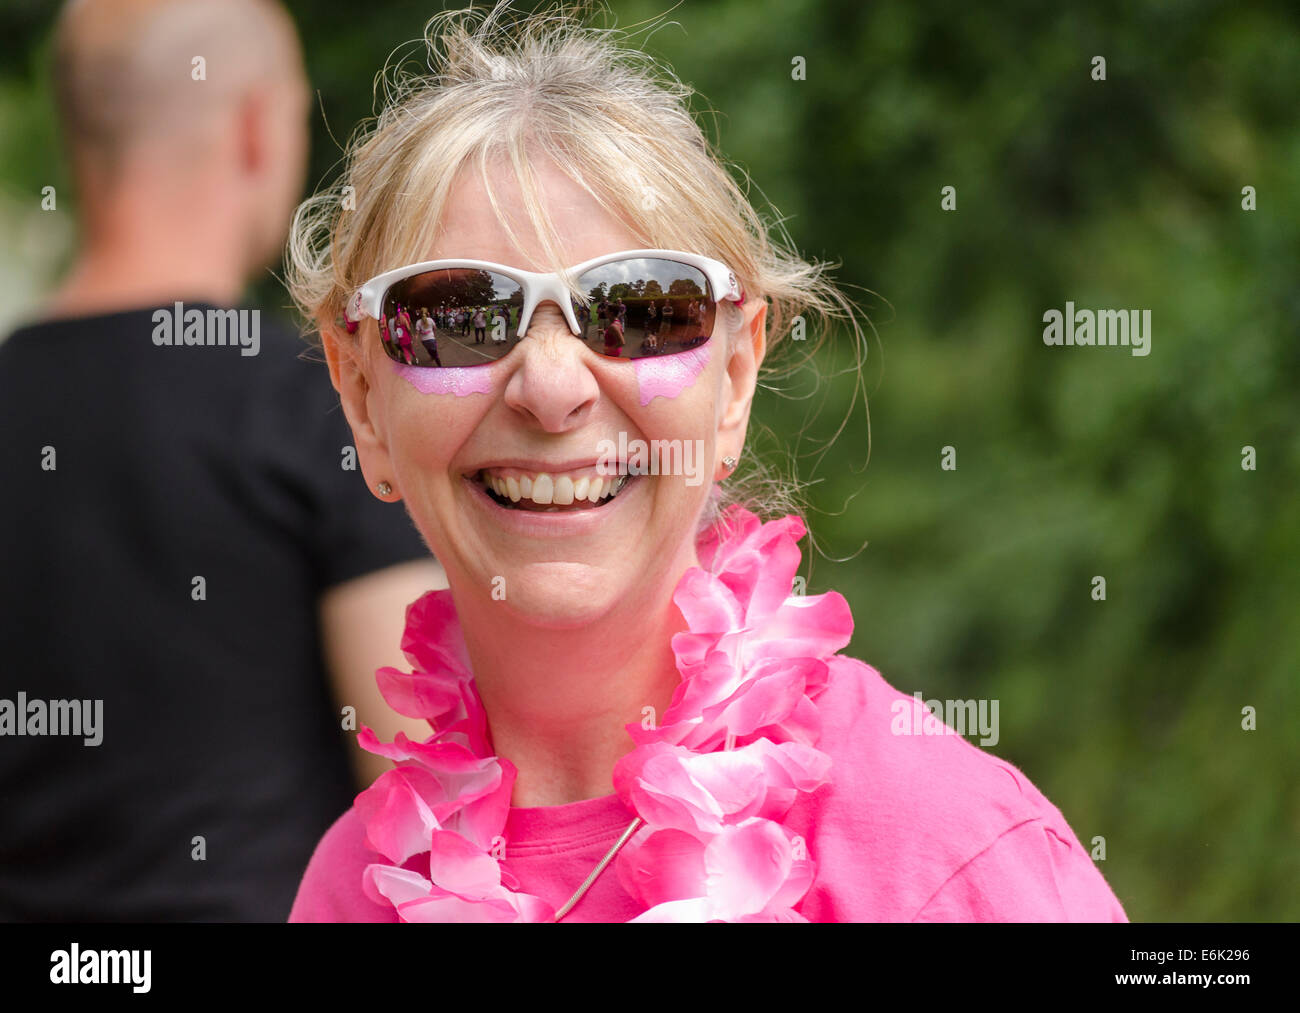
503,84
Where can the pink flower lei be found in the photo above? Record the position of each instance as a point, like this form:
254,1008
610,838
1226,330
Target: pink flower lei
712,782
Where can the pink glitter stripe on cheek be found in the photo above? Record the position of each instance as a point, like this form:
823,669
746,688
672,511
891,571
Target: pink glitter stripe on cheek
456,380
669,375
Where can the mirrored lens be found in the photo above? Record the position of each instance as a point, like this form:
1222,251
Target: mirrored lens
643,307
456,317
467,317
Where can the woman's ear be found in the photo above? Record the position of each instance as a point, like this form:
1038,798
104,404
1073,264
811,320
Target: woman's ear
748,347
348,374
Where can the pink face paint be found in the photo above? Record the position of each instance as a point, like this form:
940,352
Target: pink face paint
457,380
669,375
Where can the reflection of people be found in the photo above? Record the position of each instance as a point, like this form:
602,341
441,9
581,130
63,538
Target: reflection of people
775,783
402,331
217,584
425,328
480,326
651,341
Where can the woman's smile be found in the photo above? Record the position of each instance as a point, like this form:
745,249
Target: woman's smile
549,491
529,516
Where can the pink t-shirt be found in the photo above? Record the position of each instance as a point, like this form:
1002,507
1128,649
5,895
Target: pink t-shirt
924,828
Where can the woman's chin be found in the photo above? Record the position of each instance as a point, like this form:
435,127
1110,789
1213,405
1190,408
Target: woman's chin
543,606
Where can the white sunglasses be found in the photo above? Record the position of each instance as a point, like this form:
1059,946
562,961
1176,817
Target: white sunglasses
457,313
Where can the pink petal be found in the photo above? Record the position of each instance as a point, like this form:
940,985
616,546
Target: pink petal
734,779
802,873
772,691
448,907
387,883
433,752
697,909
433,641
696,793
665,865
712,683
691,649
532,909
397,816
805,626
746,867
774,915
736,525
464,793
772,580
484,817
435,696
652,781
794,764
803,725
458,866
706,604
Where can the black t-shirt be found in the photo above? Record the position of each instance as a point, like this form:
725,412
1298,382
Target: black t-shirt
172,463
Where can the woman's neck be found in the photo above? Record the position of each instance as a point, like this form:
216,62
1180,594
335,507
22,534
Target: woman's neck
557,701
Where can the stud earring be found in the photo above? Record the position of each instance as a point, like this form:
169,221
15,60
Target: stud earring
728,463
384,489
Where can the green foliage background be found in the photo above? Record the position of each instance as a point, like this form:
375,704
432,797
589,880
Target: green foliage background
1072,462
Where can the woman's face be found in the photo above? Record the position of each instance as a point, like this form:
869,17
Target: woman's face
553,404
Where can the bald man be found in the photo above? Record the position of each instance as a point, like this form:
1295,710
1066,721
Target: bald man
197,586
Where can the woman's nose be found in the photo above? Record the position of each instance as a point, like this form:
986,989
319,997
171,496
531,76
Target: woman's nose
551,383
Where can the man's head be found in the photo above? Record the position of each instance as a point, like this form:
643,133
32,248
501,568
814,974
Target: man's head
185,97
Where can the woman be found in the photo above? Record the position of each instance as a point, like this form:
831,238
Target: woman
428,333
634,718
614,340
402,332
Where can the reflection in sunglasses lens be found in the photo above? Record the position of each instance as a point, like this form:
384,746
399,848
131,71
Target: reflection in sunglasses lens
467,317
643,307
458,317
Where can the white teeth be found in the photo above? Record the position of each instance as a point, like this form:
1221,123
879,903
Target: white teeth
560,490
